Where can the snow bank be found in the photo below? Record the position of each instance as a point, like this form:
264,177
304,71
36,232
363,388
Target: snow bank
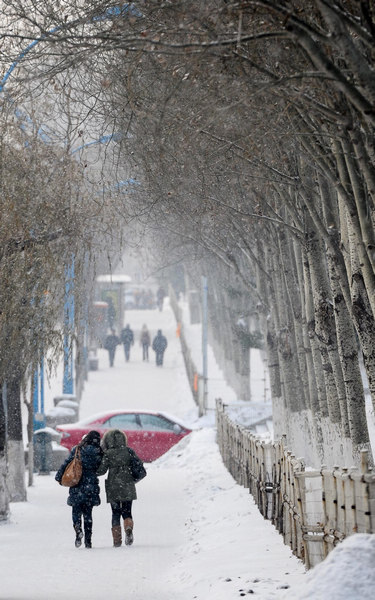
60,411
228,550
347,573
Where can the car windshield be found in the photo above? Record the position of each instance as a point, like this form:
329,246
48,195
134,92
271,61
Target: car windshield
125,421
155,423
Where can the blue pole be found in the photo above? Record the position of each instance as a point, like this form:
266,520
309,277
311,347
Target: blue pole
42,388
86,337
36,423
21,56
68,385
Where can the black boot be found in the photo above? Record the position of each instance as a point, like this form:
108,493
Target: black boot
88,533
79,536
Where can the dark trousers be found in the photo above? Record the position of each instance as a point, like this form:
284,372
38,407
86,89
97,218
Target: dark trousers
159,358
121,509
127,351
145,351
111,353
85,511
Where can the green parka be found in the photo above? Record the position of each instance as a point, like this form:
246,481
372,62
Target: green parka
119,485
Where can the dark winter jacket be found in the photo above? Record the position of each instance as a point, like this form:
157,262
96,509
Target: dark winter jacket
119,485
87,491
127,336
111,341
160,342
145,338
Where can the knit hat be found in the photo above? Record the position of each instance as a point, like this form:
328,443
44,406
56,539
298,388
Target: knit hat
92,438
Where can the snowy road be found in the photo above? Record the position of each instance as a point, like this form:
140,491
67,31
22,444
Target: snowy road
198,535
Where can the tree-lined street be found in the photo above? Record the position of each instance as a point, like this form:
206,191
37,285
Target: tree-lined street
224,142
194,526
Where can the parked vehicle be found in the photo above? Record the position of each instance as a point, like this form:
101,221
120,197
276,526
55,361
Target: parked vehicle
149,433
139,298
129,300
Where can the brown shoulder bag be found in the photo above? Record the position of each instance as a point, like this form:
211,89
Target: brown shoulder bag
73,471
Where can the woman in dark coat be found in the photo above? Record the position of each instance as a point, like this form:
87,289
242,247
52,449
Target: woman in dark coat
85,495
119,485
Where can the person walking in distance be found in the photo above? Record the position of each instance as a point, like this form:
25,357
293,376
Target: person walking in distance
127,338
110,344
86,494
145,342
120,484
159,346
160,295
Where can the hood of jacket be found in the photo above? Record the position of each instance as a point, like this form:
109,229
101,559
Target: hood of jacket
114,438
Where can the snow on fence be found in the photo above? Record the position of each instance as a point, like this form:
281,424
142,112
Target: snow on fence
312,509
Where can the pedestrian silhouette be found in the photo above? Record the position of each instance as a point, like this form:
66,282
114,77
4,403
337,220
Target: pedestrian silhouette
110,344
127,338
145,341
159,345
160,295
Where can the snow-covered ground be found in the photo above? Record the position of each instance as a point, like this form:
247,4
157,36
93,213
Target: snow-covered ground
198,535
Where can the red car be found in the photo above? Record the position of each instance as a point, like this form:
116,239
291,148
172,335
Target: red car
149,433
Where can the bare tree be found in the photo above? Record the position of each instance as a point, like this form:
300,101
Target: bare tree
251,127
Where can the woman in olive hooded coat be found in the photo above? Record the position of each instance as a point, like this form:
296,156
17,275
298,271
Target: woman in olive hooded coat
119,485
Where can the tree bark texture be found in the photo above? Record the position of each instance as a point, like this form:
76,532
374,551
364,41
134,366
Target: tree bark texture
16,455
4,493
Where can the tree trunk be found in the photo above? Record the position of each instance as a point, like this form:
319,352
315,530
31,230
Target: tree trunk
306,306
348,353
291,381
361,311
294,301
4,495
16,454
325,329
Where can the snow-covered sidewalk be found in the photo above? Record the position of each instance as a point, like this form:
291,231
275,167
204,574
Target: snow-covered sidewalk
198,535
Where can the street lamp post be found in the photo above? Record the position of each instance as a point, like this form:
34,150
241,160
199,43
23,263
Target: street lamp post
204,341
68,386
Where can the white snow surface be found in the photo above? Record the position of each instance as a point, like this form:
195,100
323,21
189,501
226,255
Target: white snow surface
347,573
198,534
